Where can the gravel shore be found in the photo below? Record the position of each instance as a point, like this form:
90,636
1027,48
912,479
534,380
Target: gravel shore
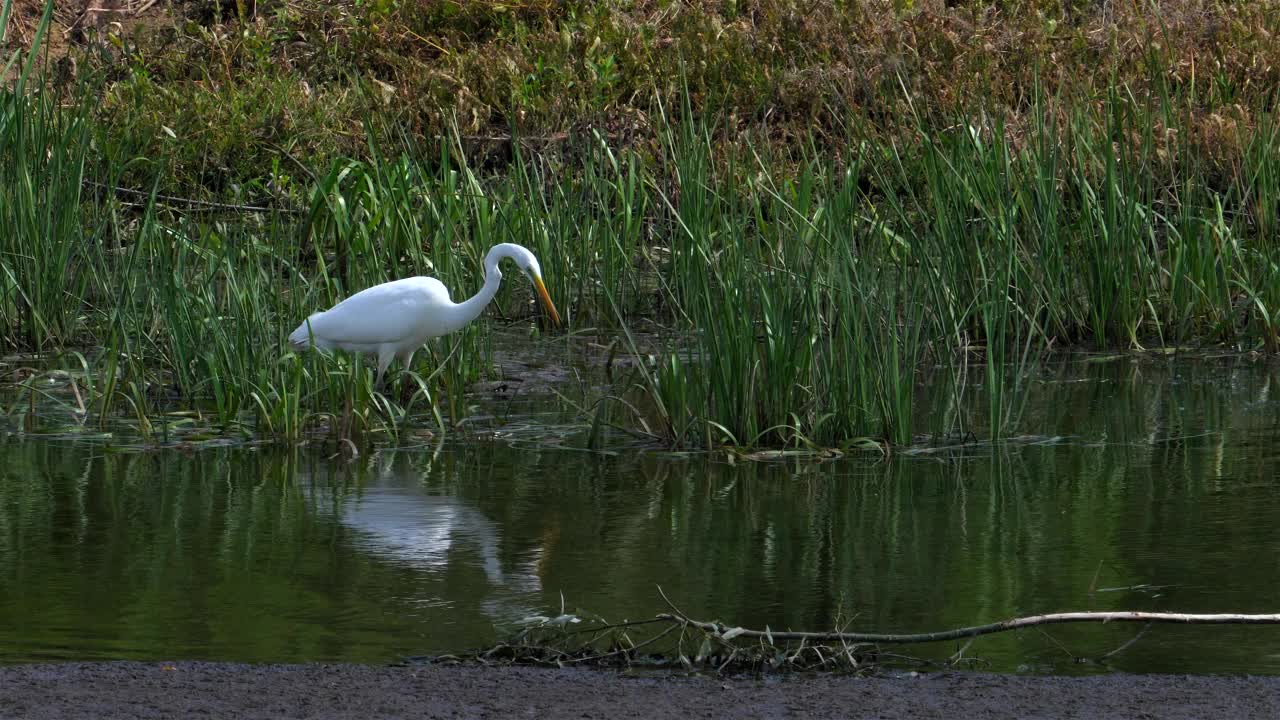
229,690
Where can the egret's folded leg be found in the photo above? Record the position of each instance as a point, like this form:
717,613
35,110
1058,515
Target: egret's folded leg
405,359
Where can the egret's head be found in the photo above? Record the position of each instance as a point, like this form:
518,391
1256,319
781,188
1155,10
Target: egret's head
528,264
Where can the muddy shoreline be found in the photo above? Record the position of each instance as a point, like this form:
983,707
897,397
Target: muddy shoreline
225,690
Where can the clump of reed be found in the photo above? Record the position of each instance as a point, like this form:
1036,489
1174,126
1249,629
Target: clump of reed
817,302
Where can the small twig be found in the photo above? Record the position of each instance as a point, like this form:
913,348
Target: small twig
625,651
919,662
289,156
79,400
613,626
194,202
959,654
621,428
545,139
1053,640
680,616
1127,643
732,655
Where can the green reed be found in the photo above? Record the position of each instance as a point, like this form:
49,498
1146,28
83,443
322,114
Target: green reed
971,242
794,338
44,261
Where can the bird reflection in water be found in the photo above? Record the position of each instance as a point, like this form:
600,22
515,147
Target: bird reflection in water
399,519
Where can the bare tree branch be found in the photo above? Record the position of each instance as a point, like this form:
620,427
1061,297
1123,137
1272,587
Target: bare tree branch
974,631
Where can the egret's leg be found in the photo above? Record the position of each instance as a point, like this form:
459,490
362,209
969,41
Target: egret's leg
384,359
405,358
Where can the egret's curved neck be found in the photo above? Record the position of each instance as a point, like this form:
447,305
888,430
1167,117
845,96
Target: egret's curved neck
470,309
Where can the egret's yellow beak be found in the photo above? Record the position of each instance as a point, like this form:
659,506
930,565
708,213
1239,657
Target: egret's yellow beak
546,299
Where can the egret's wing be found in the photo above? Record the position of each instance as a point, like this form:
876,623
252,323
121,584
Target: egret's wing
381,314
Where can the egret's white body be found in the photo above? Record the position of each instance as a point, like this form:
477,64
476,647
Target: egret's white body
394,319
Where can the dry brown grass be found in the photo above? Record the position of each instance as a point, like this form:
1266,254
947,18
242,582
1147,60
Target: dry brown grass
777,72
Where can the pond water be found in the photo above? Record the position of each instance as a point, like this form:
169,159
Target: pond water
1152,485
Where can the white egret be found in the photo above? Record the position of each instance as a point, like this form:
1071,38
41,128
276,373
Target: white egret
394,319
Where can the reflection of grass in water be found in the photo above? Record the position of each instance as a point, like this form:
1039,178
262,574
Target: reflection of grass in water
905,544
812,295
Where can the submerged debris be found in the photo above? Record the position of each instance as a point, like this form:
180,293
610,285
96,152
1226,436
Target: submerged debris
673,642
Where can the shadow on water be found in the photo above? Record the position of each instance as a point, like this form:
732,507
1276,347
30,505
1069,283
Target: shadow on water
1149,486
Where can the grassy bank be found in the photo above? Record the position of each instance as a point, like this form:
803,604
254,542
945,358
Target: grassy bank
201,83
813,269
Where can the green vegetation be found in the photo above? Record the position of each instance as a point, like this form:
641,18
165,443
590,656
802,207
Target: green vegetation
823,227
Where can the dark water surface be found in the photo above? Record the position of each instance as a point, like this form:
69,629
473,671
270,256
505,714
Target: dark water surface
1150,486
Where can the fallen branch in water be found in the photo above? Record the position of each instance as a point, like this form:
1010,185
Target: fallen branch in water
968,632
675,640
